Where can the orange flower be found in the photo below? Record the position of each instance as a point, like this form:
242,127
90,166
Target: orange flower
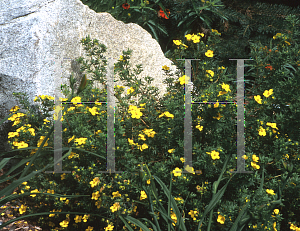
126,6
269,67
162,14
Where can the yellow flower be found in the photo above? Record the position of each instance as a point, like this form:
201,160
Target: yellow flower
209,53
64,223
214,155
22,209
258,99
254,165
215,31
12,134
245,157
143,195
210,72
167,114
190,169
93,111
142,137
199,127
15,108
34,191
165,67
177,172
182,79
89,228
109,228
130,90
144,146
131,142
173,217
77,219
255,158
273,125
221,219
149,132
216,105
196,39
95,182
21,144
218,117
226,87
270,191
262,131
188,37
115,207
136,113
274,226
76,100
268,93
116,194
80,141
177,42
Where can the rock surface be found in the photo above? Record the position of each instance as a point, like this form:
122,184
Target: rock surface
32,32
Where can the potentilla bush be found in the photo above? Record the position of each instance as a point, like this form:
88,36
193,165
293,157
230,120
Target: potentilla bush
149,135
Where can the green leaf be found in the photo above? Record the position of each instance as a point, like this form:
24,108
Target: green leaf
190,17
83,84
136,222
173,203
154,33
159,27
153,226
9,189
239,218
216,197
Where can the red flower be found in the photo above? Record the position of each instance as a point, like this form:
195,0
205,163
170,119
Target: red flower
126,6
269,67
162,14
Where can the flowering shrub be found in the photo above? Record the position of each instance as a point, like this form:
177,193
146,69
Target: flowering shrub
149,134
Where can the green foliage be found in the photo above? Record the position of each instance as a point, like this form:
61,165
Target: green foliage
141,13
160,157
270,194
239,22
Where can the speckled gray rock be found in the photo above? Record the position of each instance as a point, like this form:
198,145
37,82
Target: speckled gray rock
31,29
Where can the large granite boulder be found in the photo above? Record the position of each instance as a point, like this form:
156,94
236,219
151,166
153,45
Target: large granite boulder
30,30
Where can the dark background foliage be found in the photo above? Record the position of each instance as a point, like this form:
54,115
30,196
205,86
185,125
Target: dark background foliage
248,20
